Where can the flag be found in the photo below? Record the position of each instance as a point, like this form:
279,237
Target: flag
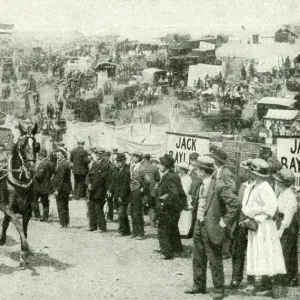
243,27
6,26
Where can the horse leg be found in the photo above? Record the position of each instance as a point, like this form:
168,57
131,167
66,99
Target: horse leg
17,223
5,225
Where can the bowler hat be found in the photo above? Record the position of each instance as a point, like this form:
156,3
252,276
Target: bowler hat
194,156
286,176
115,149
257,166
183,165
147,156
120,157
205,163
80,142
137,153
167,160
218,154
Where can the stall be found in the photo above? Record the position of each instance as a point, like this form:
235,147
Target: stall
282,122
267,103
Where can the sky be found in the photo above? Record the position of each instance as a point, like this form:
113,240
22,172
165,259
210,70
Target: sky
152,16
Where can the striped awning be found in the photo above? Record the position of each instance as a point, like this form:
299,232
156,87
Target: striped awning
281,114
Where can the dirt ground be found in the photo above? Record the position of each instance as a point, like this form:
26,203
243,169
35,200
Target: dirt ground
74,264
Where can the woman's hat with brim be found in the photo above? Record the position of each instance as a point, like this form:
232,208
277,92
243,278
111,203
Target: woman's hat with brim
286,176
183,165
167,160
257,166
205,163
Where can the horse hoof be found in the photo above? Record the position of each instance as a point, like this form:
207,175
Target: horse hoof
2,242
23,261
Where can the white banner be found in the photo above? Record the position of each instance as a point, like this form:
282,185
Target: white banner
180,145
288,150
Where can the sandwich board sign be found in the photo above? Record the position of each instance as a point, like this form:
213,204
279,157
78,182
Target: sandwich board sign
181,145
288,154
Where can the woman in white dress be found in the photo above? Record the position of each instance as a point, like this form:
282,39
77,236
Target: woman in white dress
264,252
185,220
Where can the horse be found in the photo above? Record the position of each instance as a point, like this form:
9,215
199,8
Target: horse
16,187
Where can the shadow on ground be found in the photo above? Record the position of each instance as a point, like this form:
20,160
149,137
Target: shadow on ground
35,260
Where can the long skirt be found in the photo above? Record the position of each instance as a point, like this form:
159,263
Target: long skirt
264,252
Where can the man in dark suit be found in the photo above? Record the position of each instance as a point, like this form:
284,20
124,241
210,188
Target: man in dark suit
139,185
42,184
171,200
225,175
121,191
80,159
217,209
62,187
196,183
154,175
97,189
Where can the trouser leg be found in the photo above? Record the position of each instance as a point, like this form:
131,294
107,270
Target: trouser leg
45,202
99,205
60,209
214,256
175,234
35,205
199,258
137,214
164,234
110,203
92,214
239,254
123,220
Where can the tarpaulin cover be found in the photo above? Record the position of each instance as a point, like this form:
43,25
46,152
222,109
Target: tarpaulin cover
279,114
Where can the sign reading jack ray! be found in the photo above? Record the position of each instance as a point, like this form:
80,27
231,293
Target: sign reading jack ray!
180,145
288,154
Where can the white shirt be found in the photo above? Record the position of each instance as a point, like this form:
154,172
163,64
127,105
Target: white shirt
287,204
203,191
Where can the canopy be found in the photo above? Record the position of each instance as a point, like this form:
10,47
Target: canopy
148,74
277,101
279,114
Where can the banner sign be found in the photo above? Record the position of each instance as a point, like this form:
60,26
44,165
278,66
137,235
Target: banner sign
288,154
180,145
238,152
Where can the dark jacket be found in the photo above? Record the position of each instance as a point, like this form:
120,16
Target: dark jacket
62,177
42,177
227,177
97,178
121,184
221,203
154,176
80,159
171,189
139,178
196,183
111,176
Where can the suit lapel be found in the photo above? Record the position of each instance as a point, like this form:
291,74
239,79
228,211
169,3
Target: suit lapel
163,178
210,194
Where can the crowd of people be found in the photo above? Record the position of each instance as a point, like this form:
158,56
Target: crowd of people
253,218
